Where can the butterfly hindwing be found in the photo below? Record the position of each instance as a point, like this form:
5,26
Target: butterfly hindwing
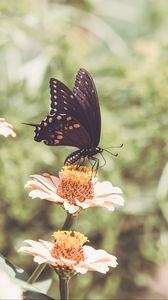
61,129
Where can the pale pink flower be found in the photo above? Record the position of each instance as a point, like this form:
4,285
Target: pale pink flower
68,252
75,189
6,128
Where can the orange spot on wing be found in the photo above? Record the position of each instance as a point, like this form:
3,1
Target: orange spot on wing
76,125
56,142
59,137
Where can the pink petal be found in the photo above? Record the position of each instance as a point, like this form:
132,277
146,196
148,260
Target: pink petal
38,249
47,245
115,199
49,182
93,255
55,180
6,128
109,202
50,197
105,188
67,261
40,260
34,184
94,202
38,194
96,260
70,207
84,204
81,269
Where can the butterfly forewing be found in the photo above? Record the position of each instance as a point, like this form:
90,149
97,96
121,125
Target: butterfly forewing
63,101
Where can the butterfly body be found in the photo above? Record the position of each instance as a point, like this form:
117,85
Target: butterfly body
88,152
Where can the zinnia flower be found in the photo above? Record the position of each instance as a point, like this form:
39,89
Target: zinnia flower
6,128
67,254
74,189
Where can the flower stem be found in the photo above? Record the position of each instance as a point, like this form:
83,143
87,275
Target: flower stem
68,222
35,275
64,288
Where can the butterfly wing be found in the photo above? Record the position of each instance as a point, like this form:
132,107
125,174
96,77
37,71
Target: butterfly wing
62,99
61,129
74,118
86,94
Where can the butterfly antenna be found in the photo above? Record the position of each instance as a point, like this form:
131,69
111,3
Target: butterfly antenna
115,147
114,154
30,124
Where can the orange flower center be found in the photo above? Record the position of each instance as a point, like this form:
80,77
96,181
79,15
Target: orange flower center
68,244
76,184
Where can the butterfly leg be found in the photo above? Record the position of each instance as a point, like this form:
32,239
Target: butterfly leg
103,160
80,162
95,165
90,162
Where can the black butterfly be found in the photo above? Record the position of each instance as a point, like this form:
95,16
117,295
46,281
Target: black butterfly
74,119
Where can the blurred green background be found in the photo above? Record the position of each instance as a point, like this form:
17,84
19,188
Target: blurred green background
124,45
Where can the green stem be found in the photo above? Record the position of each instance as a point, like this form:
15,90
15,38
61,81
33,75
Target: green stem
39,269
64,288
35,275
68,222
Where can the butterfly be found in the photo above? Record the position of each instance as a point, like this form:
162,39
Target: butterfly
74,119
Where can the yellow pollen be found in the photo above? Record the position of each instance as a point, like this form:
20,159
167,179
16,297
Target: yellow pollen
68,244
76,184
71,238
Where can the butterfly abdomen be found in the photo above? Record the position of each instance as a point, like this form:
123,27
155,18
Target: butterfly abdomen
88,152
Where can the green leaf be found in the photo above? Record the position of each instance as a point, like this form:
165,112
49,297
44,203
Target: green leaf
12,270
17,276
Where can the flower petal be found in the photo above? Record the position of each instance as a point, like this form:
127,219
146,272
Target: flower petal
50,197
84,204
96,260
38,249
105,188
70,207
50,182
6,128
